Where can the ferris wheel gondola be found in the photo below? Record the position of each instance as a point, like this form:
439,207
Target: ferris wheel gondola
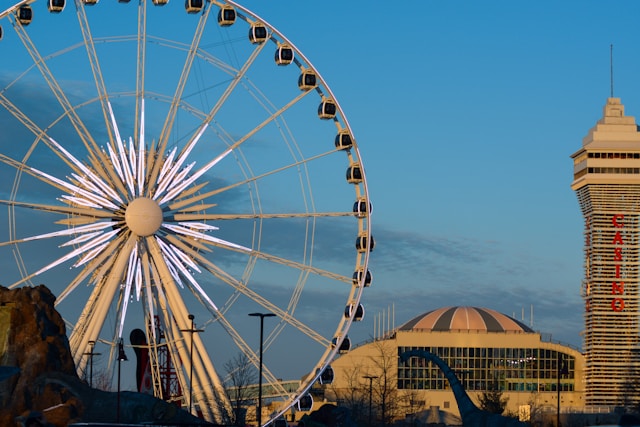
56,6
226,15
24,15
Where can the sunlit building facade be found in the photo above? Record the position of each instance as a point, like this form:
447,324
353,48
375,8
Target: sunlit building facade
486,349
607,183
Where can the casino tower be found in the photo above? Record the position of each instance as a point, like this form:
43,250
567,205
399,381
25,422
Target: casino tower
606,179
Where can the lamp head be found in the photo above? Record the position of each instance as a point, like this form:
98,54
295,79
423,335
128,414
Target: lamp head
262,314
121,354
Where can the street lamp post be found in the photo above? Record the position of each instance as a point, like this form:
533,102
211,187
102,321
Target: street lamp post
370,378
191,331
261,316
562,370
91,354
121,356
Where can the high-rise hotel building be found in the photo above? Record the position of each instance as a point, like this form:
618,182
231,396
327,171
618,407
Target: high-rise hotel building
606,179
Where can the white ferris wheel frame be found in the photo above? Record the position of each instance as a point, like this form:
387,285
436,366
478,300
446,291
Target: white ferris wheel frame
111,178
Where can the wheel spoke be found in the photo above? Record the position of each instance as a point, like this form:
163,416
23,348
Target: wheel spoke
218,243
203,216
63,210
139,126
178,94
98,78
242,288
101,260
39,133
80,250
181,203
251,355
81,129
174,193
194,140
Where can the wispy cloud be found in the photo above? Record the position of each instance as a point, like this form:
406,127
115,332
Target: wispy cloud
418,273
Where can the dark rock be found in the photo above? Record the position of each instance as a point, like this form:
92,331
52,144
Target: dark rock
38,373
34,341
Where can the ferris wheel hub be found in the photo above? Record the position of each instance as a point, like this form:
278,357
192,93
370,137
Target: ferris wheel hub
143,216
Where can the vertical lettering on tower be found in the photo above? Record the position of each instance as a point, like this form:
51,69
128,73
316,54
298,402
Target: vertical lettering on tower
588,254
617,285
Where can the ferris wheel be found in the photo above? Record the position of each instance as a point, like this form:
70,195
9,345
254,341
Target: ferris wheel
164,163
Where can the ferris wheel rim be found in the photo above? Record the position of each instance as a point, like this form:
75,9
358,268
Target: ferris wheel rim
357,291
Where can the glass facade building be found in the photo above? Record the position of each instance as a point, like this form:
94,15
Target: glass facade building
486,349
492,368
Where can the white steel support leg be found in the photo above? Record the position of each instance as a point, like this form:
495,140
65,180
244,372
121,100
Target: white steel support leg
105,295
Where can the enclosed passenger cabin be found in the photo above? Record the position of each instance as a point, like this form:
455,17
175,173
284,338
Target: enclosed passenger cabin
357,312
362,242
345,345
24,15
343,139
327,109
90,2
307,80
160,2
284,55
327,375
226,15
361,208
258,33
305,403
358,275
193,6
354,174
55,6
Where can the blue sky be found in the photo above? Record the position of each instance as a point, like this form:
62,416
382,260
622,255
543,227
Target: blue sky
465,114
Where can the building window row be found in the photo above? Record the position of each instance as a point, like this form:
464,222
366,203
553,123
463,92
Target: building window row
483,369
598,155
615,170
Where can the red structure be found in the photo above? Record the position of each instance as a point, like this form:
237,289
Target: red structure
168,378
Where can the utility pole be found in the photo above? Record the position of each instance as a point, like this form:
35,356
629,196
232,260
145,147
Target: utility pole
91,353
121,356
191,331
562,370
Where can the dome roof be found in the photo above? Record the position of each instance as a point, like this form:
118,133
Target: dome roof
465,319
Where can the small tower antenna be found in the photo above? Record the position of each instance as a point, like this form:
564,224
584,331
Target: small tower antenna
611,67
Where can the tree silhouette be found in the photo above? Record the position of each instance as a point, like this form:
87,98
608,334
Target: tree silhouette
492,401
240,376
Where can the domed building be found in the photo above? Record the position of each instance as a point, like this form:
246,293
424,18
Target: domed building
488,351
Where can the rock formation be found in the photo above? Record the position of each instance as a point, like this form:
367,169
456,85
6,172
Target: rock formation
38,372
